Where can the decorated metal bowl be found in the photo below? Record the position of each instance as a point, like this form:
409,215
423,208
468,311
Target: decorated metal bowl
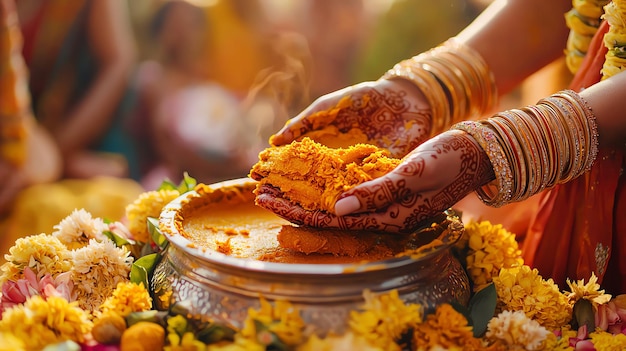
224,256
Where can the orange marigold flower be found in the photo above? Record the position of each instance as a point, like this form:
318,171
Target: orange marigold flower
447,329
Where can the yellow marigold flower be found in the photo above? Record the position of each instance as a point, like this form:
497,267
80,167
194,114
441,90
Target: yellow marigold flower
558,340
40,322
98,268
590,291
187,342
516,331
347,341
10,342
43,253
608,342
143,336
149,204
384,319
127,297
523,289
282,319
491,247
448,329
239,344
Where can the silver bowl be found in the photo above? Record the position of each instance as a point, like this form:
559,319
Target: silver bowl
221,288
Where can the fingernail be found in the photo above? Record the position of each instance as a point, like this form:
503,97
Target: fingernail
347,205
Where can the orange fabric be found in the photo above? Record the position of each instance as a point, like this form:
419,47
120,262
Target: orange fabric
581,224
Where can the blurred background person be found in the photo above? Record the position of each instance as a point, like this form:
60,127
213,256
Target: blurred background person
80,54
66,65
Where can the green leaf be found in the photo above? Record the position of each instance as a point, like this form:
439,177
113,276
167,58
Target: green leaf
167,185
141,269
482,307
118,240
152,316
584,315
187,184
155,233
212,333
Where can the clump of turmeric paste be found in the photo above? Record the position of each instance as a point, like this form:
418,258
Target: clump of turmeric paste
313,175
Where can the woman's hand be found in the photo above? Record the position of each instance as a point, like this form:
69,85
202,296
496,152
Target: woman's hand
431,179
392,114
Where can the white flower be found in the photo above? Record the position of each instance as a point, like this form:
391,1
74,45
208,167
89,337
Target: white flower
517,331
78,228
98,268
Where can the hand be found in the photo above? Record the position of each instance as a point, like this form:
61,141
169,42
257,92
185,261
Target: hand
392,114
431,179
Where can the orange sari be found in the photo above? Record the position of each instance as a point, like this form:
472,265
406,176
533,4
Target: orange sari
580,227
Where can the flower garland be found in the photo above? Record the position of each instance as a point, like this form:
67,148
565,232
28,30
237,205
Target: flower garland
583,20
512,308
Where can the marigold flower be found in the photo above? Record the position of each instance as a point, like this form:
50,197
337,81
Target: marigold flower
516,331
149,204
347,341
43,253
384,318
127,297
98,268
78,228
606,341
559,339
239,344
187,342
590,291
448,329
491,247
281,319
10,342
40,322
523,289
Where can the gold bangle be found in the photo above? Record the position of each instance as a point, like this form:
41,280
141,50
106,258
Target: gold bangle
488,141
462,82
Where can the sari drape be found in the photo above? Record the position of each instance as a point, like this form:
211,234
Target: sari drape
579,227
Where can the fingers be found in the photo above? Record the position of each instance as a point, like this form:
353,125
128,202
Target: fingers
301,124
370,196
442,170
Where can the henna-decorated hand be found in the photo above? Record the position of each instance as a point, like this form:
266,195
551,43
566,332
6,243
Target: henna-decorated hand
431,179
392,114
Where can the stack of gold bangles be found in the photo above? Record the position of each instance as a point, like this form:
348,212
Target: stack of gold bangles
538,146
455,80
531,149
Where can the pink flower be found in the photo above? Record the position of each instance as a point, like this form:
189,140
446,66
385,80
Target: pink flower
582,342
611,316
17,292
119,229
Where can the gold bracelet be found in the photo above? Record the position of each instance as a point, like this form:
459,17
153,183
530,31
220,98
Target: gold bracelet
463,86
488,141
